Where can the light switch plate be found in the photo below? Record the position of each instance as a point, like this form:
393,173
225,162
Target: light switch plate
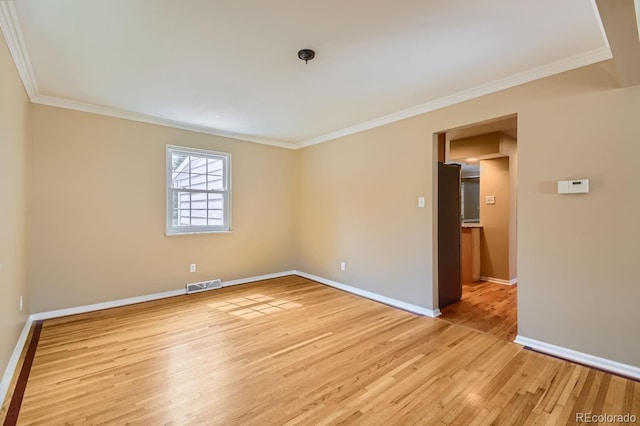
490,199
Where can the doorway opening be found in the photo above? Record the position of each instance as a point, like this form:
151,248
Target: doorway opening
484,230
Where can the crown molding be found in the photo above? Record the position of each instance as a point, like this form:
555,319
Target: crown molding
13,35
547,70
556,67
143,118
15,41
603,33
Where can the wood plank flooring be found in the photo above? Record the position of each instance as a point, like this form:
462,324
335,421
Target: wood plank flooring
14,380
487,307
291,351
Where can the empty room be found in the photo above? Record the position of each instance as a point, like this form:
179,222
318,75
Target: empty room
233,213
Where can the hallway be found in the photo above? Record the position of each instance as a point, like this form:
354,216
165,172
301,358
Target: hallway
487,307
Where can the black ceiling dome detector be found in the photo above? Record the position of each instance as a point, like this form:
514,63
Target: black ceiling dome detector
306,55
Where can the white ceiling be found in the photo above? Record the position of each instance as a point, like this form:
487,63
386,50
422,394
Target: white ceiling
230,67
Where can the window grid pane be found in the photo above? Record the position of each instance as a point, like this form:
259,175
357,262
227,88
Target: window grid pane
198,186
198,173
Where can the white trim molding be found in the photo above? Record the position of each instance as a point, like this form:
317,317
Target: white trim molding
10,370
257,278
499,280
13,35
145,298
15,357
106,305
547,70
580,357
10,27
149,297
143,118
373,296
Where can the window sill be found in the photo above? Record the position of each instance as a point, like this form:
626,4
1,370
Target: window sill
177,234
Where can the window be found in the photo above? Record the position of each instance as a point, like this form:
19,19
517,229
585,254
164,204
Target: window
198,191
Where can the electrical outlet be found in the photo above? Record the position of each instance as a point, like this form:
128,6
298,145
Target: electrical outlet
192,267
20,302
343,266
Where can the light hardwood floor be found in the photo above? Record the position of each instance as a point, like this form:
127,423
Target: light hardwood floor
487,307
291,351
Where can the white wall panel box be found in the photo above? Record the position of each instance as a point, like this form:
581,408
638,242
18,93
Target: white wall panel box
575,186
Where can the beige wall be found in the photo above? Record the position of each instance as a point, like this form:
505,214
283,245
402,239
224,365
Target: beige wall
509,146
471,199
487,144
577,268
494,240
499,233
97,216
14,107
356,201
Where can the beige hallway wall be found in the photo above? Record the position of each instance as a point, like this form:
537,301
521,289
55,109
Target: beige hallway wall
14,136
509,146
495,220
97,215
357,201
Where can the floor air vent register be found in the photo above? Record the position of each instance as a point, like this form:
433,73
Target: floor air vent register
203,286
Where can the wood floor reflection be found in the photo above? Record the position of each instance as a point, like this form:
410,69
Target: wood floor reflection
487,307
292,351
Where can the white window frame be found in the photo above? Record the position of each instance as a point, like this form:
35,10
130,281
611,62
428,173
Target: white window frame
226,192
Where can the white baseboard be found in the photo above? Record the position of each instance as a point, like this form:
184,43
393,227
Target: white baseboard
258,278
13,361
106,305
15,357
581,357
373,296
499,280
145,298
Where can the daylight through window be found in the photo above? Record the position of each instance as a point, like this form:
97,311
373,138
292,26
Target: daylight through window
198,188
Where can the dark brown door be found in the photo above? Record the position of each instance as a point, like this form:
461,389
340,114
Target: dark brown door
449,284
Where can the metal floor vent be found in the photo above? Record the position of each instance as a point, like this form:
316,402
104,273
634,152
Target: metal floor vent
203,286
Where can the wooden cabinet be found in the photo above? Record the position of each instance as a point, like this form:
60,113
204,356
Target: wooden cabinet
470,253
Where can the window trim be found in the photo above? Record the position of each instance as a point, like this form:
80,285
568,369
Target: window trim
171,230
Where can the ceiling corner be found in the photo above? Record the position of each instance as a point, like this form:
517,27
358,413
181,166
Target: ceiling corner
621,27
13,35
